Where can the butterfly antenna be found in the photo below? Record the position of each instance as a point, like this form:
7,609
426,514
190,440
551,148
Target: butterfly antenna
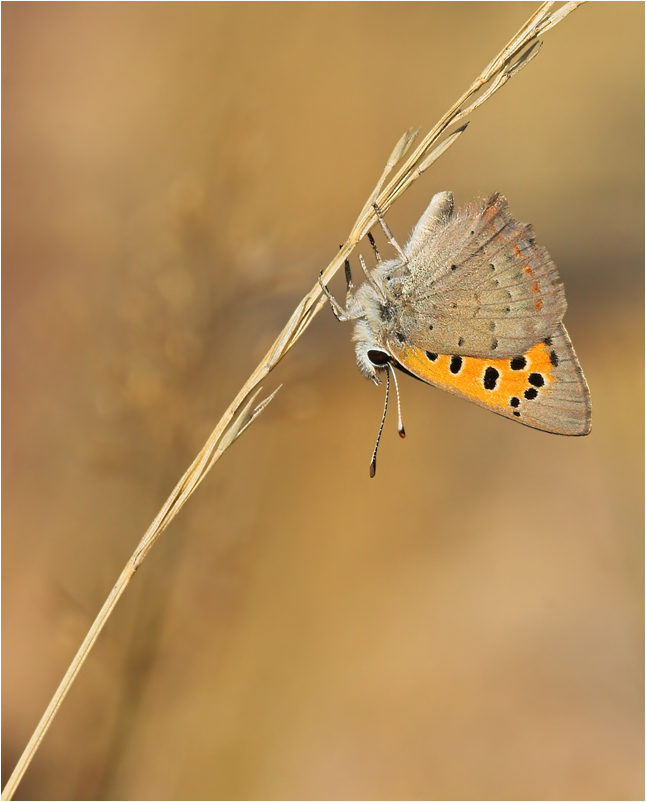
400,425
373,461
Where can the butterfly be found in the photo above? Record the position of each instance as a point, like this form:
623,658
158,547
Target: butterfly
473,305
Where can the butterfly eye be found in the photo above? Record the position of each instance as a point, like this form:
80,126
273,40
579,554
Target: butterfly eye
378,358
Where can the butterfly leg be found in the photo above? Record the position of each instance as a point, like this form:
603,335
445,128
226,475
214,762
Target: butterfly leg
349,285
371,279
388,234
374,247
339,311
354,309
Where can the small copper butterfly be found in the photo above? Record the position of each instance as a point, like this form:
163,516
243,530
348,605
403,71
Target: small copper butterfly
471,304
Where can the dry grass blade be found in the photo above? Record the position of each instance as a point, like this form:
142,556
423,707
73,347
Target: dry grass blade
511,59
426,162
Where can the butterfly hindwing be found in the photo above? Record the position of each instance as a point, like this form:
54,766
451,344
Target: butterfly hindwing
543,388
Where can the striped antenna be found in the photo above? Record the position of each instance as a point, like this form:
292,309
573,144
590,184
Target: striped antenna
373,461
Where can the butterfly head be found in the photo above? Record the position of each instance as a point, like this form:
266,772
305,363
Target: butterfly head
372,357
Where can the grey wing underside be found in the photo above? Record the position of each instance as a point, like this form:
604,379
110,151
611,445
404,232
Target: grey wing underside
564,407
477,284
559,402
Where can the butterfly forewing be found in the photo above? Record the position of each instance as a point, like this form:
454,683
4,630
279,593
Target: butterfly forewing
478,285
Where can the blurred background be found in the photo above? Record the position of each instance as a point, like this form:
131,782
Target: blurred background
467,625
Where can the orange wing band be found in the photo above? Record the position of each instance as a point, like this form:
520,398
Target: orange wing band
492,382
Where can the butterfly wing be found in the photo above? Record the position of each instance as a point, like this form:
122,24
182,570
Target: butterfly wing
477,284
544,388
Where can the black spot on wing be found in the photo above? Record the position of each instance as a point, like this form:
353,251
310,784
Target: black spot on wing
490,378
518,363
530,394
431,357
536,379
554,359
456,365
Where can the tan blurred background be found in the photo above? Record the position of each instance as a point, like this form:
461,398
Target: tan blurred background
468,625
